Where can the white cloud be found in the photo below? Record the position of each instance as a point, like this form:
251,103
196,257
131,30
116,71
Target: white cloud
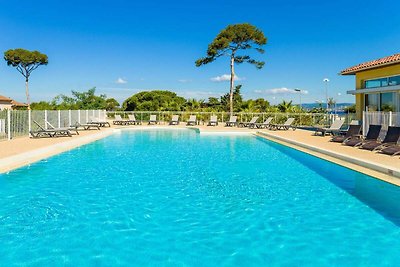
280,91
121,81
225,77
184,81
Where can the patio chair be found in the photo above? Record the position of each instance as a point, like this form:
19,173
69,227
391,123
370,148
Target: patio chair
263,125
354,130
71,128
153,119
286,126
85,126
334,128
94,120
392,150
213,121
174,120
391,138
133,120
251,122
232,122
192,120
42,132
373,134
119,121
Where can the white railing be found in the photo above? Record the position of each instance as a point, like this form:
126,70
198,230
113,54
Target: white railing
381,118
15,123
301,119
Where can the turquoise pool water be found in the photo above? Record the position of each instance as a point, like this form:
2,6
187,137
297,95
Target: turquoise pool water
178,198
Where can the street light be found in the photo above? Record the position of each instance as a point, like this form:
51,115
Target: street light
298,90
326,81
337,100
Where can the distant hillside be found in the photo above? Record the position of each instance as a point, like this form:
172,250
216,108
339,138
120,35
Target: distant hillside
316,105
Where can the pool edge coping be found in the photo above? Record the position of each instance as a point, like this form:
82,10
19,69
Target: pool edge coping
11,163
378,171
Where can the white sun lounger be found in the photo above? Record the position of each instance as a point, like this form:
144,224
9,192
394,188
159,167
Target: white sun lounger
232,121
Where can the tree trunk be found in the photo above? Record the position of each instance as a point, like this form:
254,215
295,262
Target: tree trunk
232,84
27,93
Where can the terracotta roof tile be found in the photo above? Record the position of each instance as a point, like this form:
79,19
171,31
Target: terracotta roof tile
18,104
372,64
4,98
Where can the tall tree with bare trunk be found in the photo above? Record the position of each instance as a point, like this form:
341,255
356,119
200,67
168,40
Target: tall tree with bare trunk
25,62
229,42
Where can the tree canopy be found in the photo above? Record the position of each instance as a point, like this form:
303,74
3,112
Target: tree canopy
25,62
79,100
229,42
154,100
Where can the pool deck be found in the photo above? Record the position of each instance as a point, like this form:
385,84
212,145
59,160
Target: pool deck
24,151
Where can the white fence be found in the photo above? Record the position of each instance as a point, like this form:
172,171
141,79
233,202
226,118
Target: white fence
381,118
15,123
301,119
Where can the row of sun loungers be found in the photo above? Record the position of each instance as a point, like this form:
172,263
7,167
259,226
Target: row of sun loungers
389,145
212,122
52,131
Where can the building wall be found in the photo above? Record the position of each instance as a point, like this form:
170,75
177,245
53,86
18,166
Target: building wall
5,105
372,74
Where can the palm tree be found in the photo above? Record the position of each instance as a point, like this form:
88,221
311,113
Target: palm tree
331,102
285,106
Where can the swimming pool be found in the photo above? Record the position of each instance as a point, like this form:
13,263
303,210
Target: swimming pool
178,198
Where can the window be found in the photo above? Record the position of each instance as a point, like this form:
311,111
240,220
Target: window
388,102
394,80
382,82
372,102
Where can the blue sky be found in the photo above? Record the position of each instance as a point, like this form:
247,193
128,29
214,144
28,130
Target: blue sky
122,47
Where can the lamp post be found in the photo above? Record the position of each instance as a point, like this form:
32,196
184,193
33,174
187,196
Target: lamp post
337,100
298,90
326,81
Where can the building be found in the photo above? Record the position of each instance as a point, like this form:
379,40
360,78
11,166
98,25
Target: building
8,103
377,85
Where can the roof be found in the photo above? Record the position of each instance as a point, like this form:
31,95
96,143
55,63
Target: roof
4,98
18,104
393,59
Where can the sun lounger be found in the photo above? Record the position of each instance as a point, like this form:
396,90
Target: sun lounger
192,120
251,122
174,120
232,121
84,126
71,128
392,150
119,121
391,138
133,120
373,134
153,119
99,122
354,130
213,121
334,128
265,124
42,132
286,126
